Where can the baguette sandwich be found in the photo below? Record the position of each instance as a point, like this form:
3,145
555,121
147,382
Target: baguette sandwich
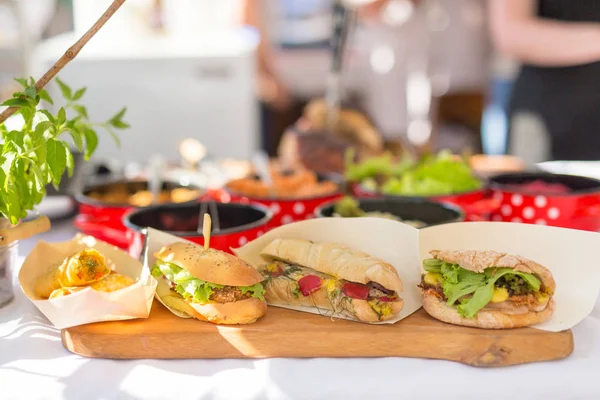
333,279
486,289
208,284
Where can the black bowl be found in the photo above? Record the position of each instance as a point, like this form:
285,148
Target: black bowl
407,209
183,219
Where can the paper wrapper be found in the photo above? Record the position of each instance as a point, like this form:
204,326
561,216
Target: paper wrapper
393,242
569,254
89,305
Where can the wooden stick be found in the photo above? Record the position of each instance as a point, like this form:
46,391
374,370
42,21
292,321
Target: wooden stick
24,230
206,231
69,55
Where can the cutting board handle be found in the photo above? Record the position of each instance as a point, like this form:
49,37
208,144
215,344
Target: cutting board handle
24,230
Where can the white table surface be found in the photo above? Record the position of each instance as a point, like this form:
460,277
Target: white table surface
34,365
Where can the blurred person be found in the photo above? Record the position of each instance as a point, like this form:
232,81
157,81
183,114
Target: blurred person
555,107
394,41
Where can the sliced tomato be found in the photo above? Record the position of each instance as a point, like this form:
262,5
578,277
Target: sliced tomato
385,299
309,284
278,272
355,290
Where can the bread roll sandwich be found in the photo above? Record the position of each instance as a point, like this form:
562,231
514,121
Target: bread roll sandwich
80,269
486,289
208,284
335,280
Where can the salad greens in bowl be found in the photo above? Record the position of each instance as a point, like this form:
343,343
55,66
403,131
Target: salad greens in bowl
433,175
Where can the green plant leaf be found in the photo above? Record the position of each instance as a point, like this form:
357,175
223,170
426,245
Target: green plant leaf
56,158
40,153
17,102
81,110
22,82
44,95
65,89
62,116
30,92
79,94
49,116
7,164
114,135
16,138
117,120
28,113
39,177
77,139
42,127
31,81
91,142
13,205
120,125
70,160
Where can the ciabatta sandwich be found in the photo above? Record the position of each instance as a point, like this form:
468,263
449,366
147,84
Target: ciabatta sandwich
486,289
331,278
208,284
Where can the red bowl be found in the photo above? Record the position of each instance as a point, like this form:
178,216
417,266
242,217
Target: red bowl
104,220
476,205
285,210
239,224
578,209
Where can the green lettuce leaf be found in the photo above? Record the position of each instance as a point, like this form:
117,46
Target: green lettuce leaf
458,282
191,287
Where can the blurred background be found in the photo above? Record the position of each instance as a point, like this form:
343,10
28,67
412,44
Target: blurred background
235,74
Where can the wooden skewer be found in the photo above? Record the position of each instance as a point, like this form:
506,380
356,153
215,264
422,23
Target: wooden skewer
206,231
69,55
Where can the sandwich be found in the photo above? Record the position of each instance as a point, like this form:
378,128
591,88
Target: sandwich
208,284
332,279
486,289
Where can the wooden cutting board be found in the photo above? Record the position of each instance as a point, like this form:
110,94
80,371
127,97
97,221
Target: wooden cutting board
287,333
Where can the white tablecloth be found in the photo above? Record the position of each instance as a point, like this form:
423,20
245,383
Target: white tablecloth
34,365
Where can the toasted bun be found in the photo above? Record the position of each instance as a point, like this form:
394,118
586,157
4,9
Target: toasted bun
238,312
478,261
335,259
488,319
279,291
210,265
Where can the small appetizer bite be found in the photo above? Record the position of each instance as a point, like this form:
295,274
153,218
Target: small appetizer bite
82,268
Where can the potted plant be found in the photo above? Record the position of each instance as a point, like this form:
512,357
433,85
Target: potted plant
37,154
